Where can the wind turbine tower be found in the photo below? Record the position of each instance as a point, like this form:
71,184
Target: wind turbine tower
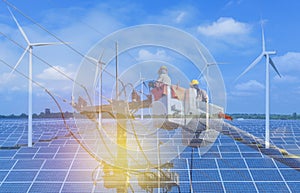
28,49
265,54
98,74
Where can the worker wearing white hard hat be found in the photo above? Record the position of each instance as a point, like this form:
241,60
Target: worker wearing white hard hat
163,76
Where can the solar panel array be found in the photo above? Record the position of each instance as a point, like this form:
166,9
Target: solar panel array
57,163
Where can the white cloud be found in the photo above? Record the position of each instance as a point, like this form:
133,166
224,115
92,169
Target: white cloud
6,78
183,15
288,62
251,85
52,74
225,26
232,3
147,55
241,93
180,17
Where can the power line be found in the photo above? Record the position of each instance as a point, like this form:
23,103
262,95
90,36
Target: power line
55,36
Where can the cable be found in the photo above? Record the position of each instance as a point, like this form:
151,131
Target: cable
96,158
93,174
65,123
191,170
131,188
35,82
51,66
56,37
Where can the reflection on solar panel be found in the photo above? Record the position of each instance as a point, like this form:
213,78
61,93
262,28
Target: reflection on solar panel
57,163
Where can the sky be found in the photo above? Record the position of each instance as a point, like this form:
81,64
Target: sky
229,29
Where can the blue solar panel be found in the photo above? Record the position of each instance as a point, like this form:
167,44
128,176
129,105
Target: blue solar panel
48,149
208,187
260,163
80,176
3,174
290,175
294,186
292,163
235,175
77,187
244,187
45,187
6,164
57,163
211,155
231,155
7,153
204,164
52,176
231,163
29,156
28,150
205,175
252,154
266,175
14,187
228,148
21,176
29,164
44,156
272,186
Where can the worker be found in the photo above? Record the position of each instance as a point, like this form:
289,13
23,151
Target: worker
201,94
163,76
162,83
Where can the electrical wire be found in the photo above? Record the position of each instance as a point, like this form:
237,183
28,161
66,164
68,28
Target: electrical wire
191,170
56,37
65,123
48,64
58,105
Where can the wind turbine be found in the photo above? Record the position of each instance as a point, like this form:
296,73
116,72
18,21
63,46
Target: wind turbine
99,64
28,49
207,65
265,54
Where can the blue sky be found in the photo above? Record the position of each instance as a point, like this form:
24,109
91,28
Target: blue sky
230,29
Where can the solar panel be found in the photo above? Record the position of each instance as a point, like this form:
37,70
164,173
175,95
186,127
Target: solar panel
271,186
240,187
21,176
260,163
45,187
235,175
57,163
205,175
294,186
208,187
19,187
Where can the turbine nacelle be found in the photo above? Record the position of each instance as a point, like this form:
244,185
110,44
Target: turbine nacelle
270,52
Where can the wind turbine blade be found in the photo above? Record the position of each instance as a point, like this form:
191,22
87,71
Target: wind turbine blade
19,60
202,55
273,65
20,28
251,65
100,59
145,84
46,44
91,59
263,37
